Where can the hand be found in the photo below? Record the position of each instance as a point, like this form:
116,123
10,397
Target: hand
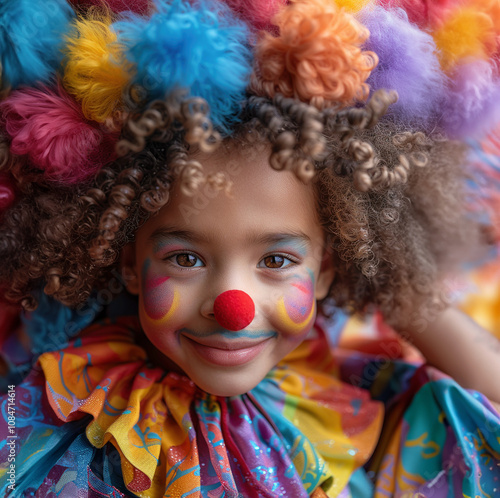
455,344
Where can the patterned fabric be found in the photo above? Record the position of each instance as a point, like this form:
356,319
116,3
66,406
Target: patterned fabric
95,419
294,432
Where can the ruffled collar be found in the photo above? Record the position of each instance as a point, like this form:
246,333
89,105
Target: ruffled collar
300,428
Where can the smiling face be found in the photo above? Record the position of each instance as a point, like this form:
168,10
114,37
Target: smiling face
263,239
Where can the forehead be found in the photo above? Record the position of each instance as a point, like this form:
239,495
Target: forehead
247,168
260,198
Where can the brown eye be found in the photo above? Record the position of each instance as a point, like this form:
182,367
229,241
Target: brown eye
187,260
274,261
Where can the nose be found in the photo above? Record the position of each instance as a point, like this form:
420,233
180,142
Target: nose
234,309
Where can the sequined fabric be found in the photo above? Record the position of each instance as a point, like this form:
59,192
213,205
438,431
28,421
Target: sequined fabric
294,432
96,419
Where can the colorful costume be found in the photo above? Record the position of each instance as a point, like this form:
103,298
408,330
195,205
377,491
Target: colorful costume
95,419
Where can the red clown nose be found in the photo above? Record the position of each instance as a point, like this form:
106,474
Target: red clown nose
234,309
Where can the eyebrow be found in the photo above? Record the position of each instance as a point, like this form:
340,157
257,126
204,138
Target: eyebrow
168,232
276,238
264,238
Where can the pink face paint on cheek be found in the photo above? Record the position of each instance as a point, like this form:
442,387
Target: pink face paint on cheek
157,295
297,309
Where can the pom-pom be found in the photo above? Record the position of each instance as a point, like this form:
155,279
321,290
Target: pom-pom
472,103
466,33
423,13
234,310
201,48
49,127
95,71
352,5
316,58
408,64
31,36
257,13
7,192
116,6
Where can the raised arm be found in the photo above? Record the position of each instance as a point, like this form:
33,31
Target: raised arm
458,346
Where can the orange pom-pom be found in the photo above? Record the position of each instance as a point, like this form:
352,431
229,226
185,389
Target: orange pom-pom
317,56
466,33
492,9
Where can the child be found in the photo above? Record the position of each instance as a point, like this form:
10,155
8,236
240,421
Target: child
237,224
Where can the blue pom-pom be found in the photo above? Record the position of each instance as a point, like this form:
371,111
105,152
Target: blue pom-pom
201,48
408,64
31,38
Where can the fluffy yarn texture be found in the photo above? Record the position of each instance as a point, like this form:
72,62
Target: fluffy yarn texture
466,33
117,6
49,127
408,64
201,48
95,72
31,36
257,13
352,5
472,103
317,56
423,13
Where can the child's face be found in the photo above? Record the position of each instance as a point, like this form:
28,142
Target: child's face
263,239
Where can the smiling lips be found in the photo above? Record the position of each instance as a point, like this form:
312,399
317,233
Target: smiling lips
227,353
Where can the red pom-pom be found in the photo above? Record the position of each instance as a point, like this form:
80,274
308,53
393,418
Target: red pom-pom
258,13
234,310
9,320
423,13
7,191
49,127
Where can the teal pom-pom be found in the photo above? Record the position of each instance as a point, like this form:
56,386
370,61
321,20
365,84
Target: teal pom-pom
31,38
201,48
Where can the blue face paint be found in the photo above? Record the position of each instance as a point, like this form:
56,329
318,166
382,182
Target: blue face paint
240,334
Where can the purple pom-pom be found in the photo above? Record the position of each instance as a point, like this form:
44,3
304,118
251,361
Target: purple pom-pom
472,104
408,64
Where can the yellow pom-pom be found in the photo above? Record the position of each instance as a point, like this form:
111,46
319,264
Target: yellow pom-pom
96,71
352,5
466,33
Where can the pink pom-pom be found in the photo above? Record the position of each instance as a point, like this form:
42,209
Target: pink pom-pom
49,127
117,6
257,13
423,13
7,192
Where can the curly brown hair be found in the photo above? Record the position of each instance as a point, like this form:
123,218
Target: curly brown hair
391,200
